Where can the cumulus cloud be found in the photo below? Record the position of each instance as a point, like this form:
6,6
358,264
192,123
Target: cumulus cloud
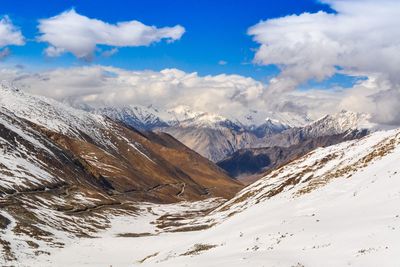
229,95
232,96
361,38
79,35
9,35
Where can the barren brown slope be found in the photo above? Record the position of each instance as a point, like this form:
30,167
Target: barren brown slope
122,159
151,167
202,170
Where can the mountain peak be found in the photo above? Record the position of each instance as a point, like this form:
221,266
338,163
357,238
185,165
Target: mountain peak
343,121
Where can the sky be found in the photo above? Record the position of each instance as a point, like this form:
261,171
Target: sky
304,57
215,39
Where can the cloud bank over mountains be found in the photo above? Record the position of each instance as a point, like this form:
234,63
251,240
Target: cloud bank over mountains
79,35
228,95
232,96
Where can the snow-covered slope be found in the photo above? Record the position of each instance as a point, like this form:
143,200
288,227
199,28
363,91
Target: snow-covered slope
336,206
249,164
51,114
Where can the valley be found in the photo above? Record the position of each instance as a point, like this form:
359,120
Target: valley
73,187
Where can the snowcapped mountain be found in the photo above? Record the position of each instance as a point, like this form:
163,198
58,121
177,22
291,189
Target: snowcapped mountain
288,118
150,118
335,206
139,117
216,137
52,115
60,168
250,163
268,128
257,117
184,117
211,135
339,123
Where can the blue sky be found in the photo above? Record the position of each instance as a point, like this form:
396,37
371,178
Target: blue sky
215,31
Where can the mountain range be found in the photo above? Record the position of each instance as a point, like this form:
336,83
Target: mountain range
211,135
77,188
216,137
278,149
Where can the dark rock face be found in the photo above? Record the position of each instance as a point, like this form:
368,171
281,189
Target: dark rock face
246,162
253,161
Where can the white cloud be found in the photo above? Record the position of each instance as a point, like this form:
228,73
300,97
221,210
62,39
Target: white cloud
4,53
228,95
361,38
72,32
9,34
222,62
109,53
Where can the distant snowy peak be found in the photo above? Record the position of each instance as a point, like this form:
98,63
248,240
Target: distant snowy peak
150,117
269,127
275,124
182,113
183,116
341,122
140,117
206,120
289,119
